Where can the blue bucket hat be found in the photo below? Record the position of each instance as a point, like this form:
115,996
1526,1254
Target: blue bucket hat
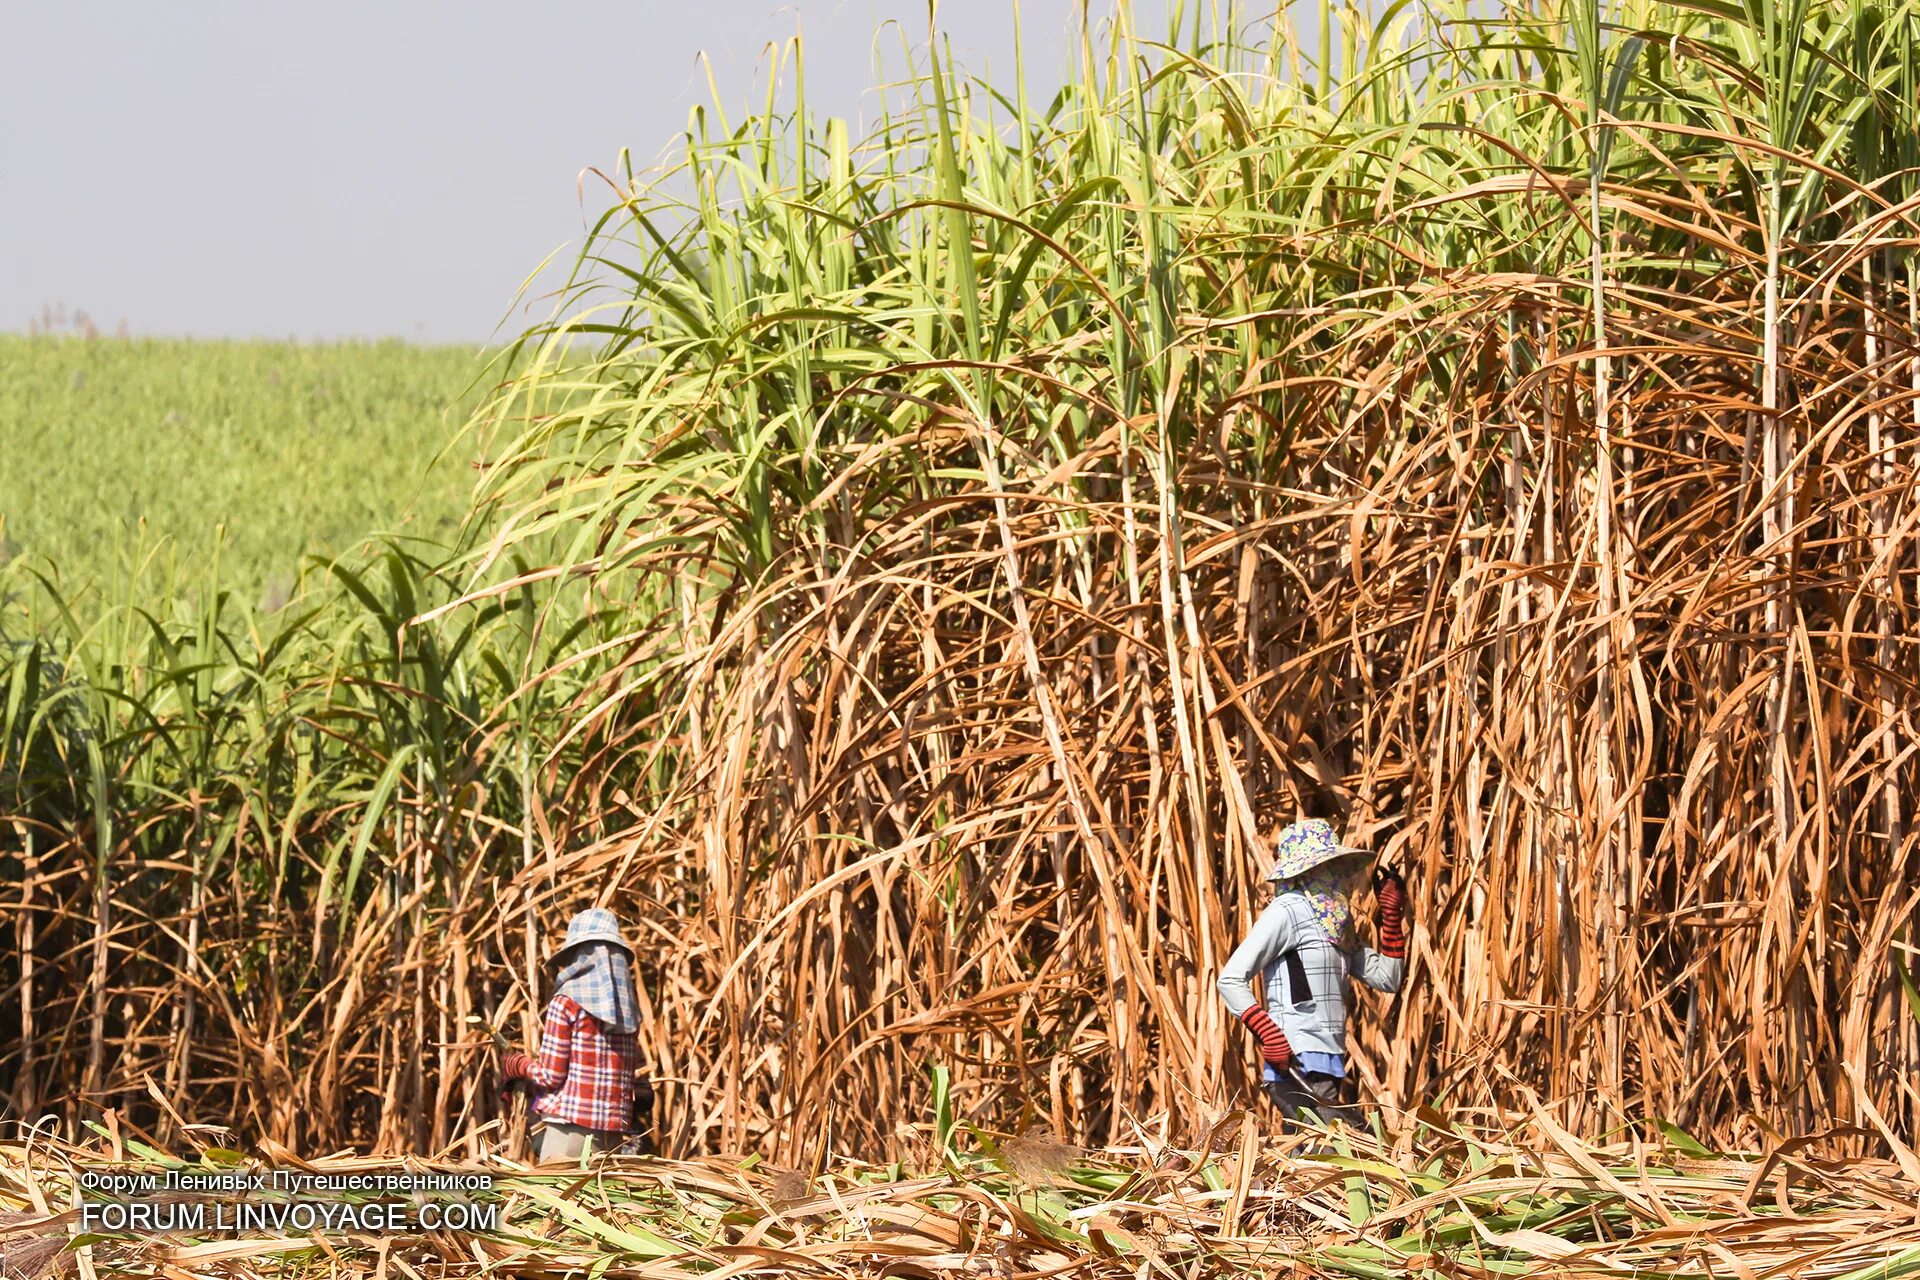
1306,844
595,924
594,969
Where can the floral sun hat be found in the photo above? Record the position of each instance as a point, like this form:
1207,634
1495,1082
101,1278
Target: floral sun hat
1305,845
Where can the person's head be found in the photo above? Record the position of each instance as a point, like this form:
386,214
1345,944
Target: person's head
1310,851
594,967
595,924
1346,875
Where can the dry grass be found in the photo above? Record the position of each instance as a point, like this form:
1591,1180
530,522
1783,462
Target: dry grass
1448,1202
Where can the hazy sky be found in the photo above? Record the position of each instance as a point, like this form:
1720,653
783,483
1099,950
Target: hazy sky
380,167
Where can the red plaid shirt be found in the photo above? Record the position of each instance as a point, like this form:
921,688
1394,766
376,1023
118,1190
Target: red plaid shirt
584,1074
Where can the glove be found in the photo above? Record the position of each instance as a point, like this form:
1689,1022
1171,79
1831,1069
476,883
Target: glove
1391,893
1273,1041
516,1075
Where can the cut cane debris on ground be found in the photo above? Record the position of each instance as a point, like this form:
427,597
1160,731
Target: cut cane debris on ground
1452,1203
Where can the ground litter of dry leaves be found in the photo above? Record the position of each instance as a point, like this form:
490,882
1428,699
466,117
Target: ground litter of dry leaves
1440,1201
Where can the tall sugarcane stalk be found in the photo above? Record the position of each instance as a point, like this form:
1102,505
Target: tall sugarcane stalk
1615,850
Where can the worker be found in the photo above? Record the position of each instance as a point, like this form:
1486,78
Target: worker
1304,948
584,1076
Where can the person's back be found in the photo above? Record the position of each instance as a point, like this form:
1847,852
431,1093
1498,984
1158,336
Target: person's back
584,1077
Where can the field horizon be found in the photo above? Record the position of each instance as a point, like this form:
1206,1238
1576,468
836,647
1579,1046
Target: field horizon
226,461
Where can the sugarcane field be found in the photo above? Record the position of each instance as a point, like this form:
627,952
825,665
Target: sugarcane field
1063,638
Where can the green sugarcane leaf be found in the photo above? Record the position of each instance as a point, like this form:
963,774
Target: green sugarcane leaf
1901,1264
1909,989
634,1240
1681,1140
942,1085
382,792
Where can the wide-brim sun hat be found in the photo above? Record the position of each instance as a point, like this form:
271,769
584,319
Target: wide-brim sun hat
595,924
1307,844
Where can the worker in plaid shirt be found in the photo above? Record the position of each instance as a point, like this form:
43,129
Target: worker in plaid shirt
583,1078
